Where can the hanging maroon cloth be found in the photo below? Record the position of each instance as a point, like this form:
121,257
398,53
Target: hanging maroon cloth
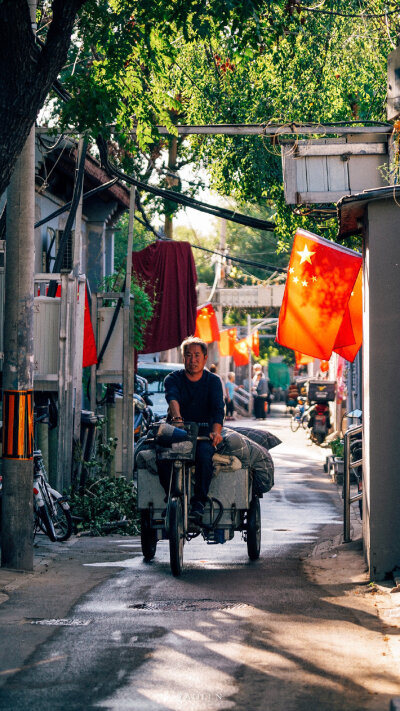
168,271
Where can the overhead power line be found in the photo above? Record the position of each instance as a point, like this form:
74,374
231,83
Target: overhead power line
259,265
181,199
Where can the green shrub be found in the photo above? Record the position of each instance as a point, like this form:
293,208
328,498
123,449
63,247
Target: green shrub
105,505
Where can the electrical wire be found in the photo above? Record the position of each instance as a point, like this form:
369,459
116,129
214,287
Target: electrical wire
267,267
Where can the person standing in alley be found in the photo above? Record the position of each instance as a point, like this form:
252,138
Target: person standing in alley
261,395
230,388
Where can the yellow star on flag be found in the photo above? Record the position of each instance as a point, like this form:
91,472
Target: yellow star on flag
305,283
296,279
314,278
305,255
291,270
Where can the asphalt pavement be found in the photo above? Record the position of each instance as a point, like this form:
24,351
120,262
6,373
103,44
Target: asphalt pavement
95,627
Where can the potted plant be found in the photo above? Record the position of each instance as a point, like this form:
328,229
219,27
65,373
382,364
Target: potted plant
337,447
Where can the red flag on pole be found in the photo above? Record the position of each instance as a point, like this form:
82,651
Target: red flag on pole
355,308
206,324
321,277
89,343
302,359
241,352
227,340
253,342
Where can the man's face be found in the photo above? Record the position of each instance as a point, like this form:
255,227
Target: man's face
194,359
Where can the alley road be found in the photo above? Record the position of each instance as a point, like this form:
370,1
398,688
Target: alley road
228,634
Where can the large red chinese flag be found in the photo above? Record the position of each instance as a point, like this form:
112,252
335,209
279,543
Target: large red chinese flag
355,309
89,343
227,340
321,277
206,324
241,352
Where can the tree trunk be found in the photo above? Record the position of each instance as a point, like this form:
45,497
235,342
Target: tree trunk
27,72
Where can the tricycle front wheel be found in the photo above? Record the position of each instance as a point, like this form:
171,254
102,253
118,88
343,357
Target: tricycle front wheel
254,529
148,536
176,536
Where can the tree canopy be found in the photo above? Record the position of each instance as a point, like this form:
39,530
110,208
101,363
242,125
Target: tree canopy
129,65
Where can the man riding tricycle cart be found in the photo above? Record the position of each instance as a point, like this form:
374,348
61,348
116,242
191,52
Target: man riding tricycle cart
196,478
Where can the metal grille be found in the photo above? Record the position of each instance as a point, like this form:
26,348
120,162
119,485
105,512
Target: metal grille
187,605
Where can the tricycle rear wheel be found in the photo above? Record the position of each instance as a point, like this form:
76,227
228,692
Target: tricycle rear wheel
148,536
254,529
176,538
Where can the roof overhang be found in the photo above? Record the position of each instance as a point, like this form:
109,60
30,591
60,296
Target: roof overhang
351,208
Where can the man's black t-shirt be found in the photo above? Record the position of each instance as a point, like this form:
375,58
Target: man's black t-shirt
199,401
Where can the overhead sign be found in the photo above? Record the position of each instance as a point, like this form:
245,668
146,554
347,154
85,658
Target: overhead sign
251,296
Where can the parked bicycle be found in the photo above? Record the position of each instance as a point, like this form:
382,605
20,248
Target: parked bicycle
300,415
51,510
52,513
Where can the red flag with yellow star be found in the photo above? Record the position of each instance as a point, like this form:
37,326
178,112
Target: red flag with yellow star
321,277
241,352
253,342
206,324
227,340
355,309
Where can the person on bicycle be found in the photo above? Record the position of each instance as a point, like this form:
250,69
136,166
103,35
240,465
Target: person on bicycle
194,394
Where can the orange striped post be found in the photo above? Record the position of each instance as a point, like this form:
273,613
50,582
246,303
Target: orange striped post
18,424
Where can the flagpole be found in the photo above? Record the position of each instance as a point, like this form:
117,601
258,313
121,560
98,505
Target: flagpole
250,364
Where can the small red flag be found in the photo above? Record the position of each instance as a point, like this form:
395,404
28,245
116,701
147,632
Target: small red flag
321,277
206,324
253,342
241,352
227,340
355,313
89,343
302,359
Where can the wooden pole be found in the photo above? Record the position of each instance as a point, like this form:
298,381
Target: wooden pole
128,354
17,498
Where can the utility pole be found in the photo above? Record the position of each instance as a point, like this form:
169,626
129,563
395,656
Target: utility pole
172,156
17,497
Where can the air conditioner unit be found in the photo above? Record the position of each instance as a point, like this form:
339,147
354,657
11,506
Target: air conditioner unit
46,337
112,360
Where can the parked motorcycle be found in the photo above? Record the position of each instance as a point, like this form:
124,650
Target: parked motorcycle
144,416
319,422
320,393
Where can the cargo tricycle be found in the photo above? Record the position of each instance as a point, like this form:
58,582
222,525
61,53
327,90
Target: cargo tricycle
231,505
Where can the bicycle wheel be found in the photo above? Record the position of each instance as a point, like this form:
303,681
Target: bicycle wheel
254,529
176,536
62,521
295,422
148,536
43,514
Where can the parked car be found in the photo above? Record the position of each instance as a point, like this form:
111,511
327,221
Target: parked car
155,374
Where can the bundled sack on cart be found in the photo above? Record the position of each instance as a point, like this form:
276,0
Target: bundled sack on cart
251,455
263,438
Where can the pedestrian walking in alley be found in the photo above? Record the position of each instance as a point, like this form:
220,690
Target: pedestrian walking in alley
261,395
230,388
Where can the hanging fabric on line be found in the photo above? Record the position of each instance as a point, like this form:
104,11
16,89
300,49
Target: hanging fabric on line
315,316
167,272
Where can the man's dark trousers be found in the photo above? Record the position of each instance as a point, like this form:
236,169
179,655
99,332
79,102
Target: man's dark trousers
204,471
